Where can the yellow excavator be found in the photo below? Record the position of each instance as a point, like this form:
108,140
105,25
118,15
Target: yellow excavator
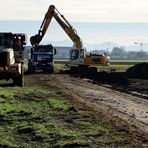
78,55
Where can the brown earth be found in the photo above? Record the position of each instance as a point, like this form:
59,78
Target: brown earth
125,105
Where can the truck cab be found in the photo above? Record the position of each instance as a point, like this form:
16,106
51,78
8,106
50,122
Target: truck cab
41,58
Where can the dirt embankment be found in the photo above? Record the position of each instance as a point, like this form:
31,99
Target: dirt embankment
134,81
128,111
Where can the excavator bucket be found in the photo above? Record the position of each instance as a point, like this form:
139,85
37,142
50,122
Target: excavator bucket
35,39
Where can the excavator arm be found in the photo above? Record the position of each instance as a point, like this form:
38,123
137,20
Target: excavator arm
62,21
78,53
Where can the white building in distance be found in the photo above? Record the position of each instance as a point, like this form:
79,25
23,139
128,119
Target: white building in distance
62,52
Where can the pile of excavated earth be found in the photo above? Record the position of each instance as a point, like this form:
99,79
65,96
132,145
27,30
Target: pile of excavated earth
139,71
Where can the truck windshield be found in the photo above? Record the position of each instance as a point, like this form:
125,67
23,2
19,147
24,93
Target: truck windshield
6,40
43,57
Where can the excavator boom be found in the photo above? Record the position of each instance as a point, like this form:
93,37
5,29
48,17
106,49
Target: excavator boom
63,22
78,54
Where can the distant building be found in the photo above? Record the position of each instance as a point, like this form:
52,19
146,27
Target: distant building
62,52
118,53
100,52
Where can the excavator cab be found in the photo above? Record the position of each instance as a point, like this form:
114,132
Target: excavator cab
77,56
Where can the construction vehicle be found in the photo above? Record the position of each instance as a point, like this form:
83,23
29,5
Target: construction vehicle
11,57
41,58
78,54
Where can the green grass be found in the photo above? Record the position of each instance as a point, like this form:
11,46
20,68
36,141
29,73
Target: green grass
136,60
119,68
36,117
116,68
58,67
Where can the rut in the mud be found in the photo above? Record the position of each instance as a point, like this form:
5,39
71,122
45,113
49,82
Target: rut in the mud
125,110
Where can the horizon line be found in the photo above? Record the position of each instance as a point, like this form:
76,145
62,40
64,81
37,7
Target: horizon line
82,21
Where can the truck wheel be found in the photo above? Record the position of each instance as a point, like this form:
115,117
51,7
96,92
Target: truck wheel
51,71
30,69
19,81
22,81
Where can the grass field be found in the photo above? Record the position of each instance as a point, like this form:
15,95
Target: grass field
129,60
36,117
118,68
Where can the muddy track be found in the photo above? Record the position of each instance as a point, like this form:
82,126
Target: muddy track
127,111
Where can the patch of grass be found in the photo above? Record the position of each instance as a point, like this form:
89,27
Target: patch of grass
59,104
136,60
36,117
117,68
58,67
7,143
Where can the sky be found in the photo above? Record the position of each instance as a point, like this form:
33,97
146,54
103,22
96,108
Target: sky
77,10
120,21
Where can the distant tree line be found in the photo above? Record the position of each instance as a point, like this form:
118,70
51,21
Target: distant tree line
121,53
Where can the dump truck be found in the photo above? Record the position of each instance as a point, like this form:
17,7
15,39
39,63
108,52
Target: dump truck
41,58
11,57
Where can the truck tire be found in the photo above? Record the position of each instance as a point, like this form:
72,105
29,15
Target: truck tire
19,80
30,68
51,71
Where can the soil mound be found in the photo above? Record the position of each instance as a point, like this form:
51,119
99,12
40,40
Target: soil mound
139,71
101,77
111,78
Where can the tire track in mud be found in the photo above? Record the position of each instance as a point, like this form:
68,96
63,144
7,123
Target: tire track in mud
129,112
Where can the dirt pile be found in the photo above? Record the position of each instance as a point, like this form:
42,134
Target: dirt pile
101,77
139,71
111,78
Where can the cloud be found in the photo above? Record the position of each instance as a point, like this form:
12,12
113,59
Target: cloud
77,10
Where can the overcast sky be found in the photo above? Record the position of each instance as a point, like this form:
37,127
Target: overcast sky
77,10
99,13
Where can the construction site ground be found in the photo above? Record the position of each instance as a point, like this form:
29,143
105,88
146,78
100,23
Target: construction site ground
125,107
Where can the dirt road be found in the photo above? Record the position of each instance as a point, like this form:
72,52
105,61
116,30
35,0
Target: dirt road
125,110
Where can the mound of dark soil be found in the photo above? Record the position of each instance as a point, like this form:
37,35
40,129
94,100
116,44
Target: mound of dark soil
101,77
111,78
139,71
